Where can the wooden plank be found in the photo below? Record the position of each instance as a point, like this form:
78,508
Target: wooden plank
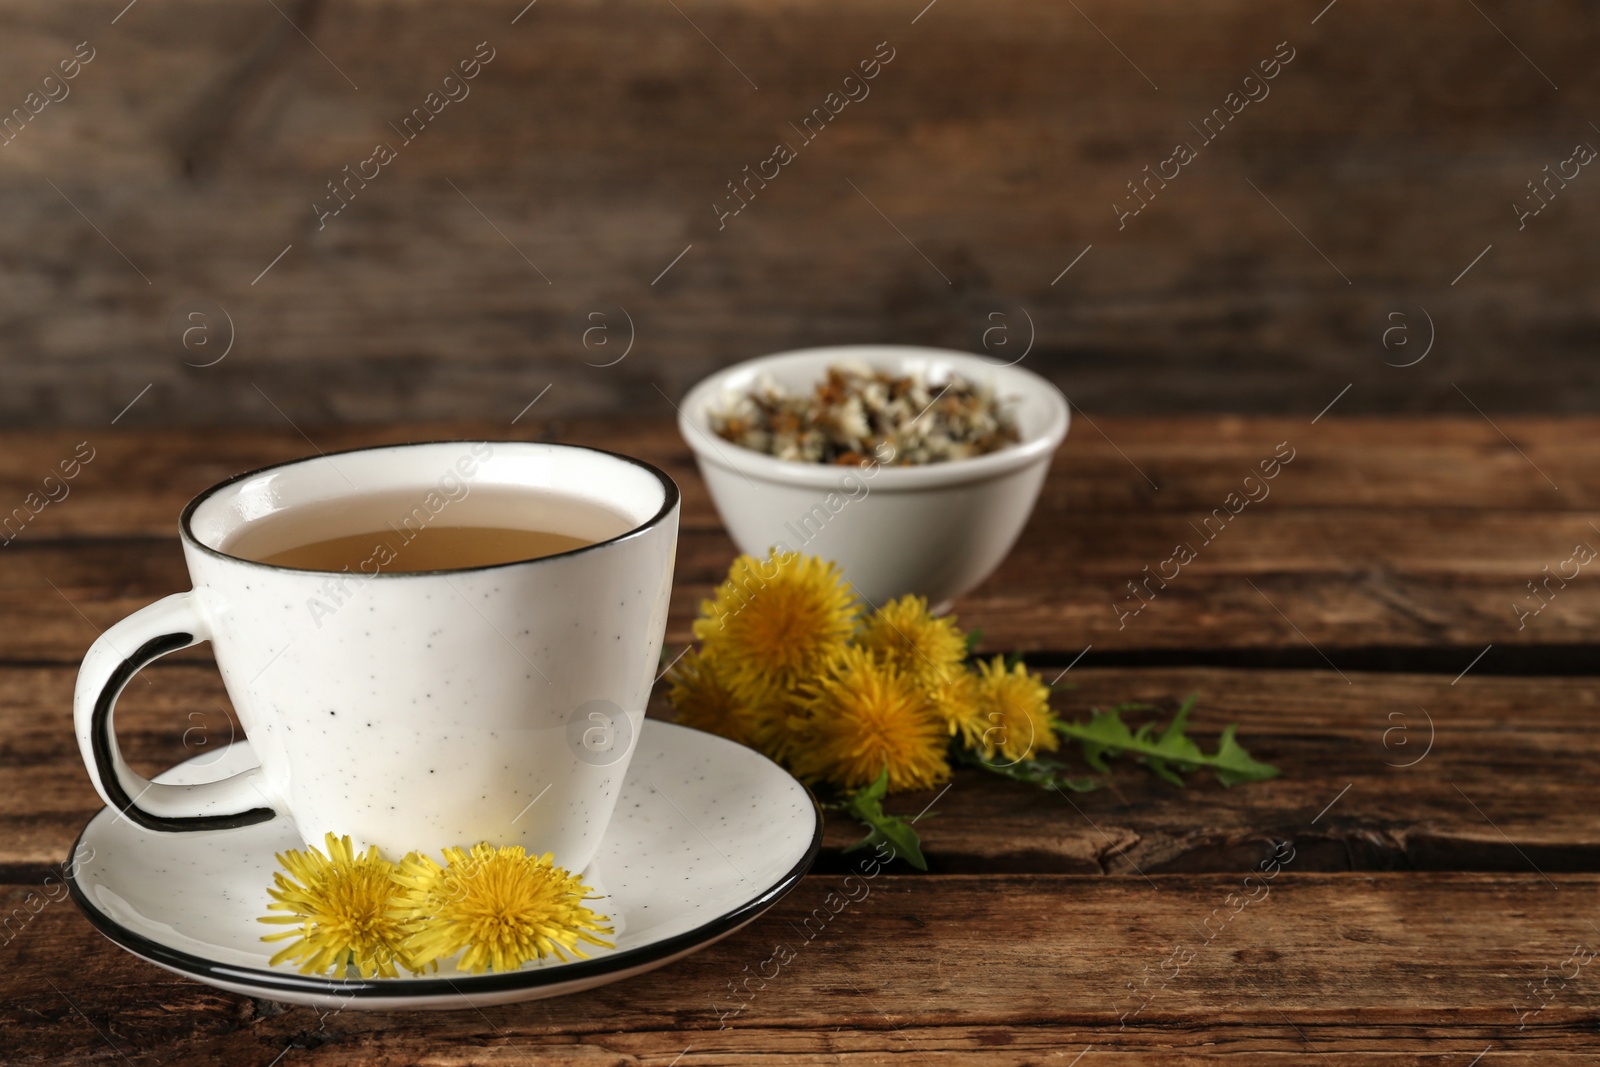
1388,969
600,136
1483,796
139,480
1380,533
1343,583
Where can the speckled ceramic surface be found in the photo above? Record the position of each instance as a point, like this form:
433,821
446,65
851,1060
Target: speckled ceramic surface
706,836
936,530
373,697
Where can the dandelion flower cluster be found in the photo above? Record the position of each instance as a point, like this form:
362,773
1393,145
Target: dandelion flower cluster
929,649
339,906
706,700
775,622
789,664
497,907
863,714
1014,709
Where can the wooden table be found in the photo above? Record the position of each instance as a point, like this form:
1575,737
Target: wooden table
1438,793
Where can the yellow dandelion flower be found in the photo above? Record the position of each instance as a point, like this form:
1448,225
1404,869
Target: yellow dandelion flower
503,906
1013,712
342,908
703,699
775,620
779,727
861,715
902,632
955,698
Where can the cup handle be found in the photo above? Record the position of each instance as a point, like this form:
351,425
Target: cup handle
169,624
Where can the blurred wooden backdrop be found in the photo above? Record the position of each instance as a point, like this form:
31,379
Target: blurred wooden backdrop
941,209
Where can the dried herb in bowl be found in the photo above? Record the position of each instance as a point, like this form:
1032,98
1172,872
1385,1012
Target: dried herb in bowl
855,411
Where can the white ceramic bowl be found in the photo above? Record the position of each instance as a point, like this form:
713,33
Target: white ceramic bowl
936,530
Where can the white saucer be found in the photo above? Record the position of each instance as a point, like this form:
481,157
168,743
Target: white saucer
707,835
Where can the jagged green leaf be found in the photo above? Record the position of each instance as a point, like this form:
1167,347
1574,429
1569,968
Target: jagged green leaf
1233,764
1105,734
866,806
1169,754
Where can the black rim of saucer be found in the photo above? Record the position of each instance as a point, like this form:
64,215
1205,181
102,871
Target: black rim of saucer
417,988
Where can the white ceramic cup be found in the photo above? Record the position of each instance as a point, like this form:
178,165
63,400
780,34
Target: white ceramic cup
423,709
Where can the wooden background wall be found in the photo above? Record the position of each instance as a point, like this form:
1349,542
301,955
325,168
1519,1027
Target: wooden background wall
590,152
